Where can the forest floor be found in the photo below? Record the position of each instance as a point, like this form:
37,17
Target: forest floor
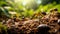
48,24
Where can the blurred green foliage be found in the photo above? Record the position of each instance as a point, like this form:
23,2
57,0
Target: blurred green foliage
3,28
29,9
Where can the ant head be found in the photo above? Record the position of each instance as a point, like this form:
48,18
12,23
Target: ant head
44,13
55,9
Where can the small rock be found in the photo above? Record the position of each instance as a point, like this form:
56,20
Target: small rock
59,21
43,29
